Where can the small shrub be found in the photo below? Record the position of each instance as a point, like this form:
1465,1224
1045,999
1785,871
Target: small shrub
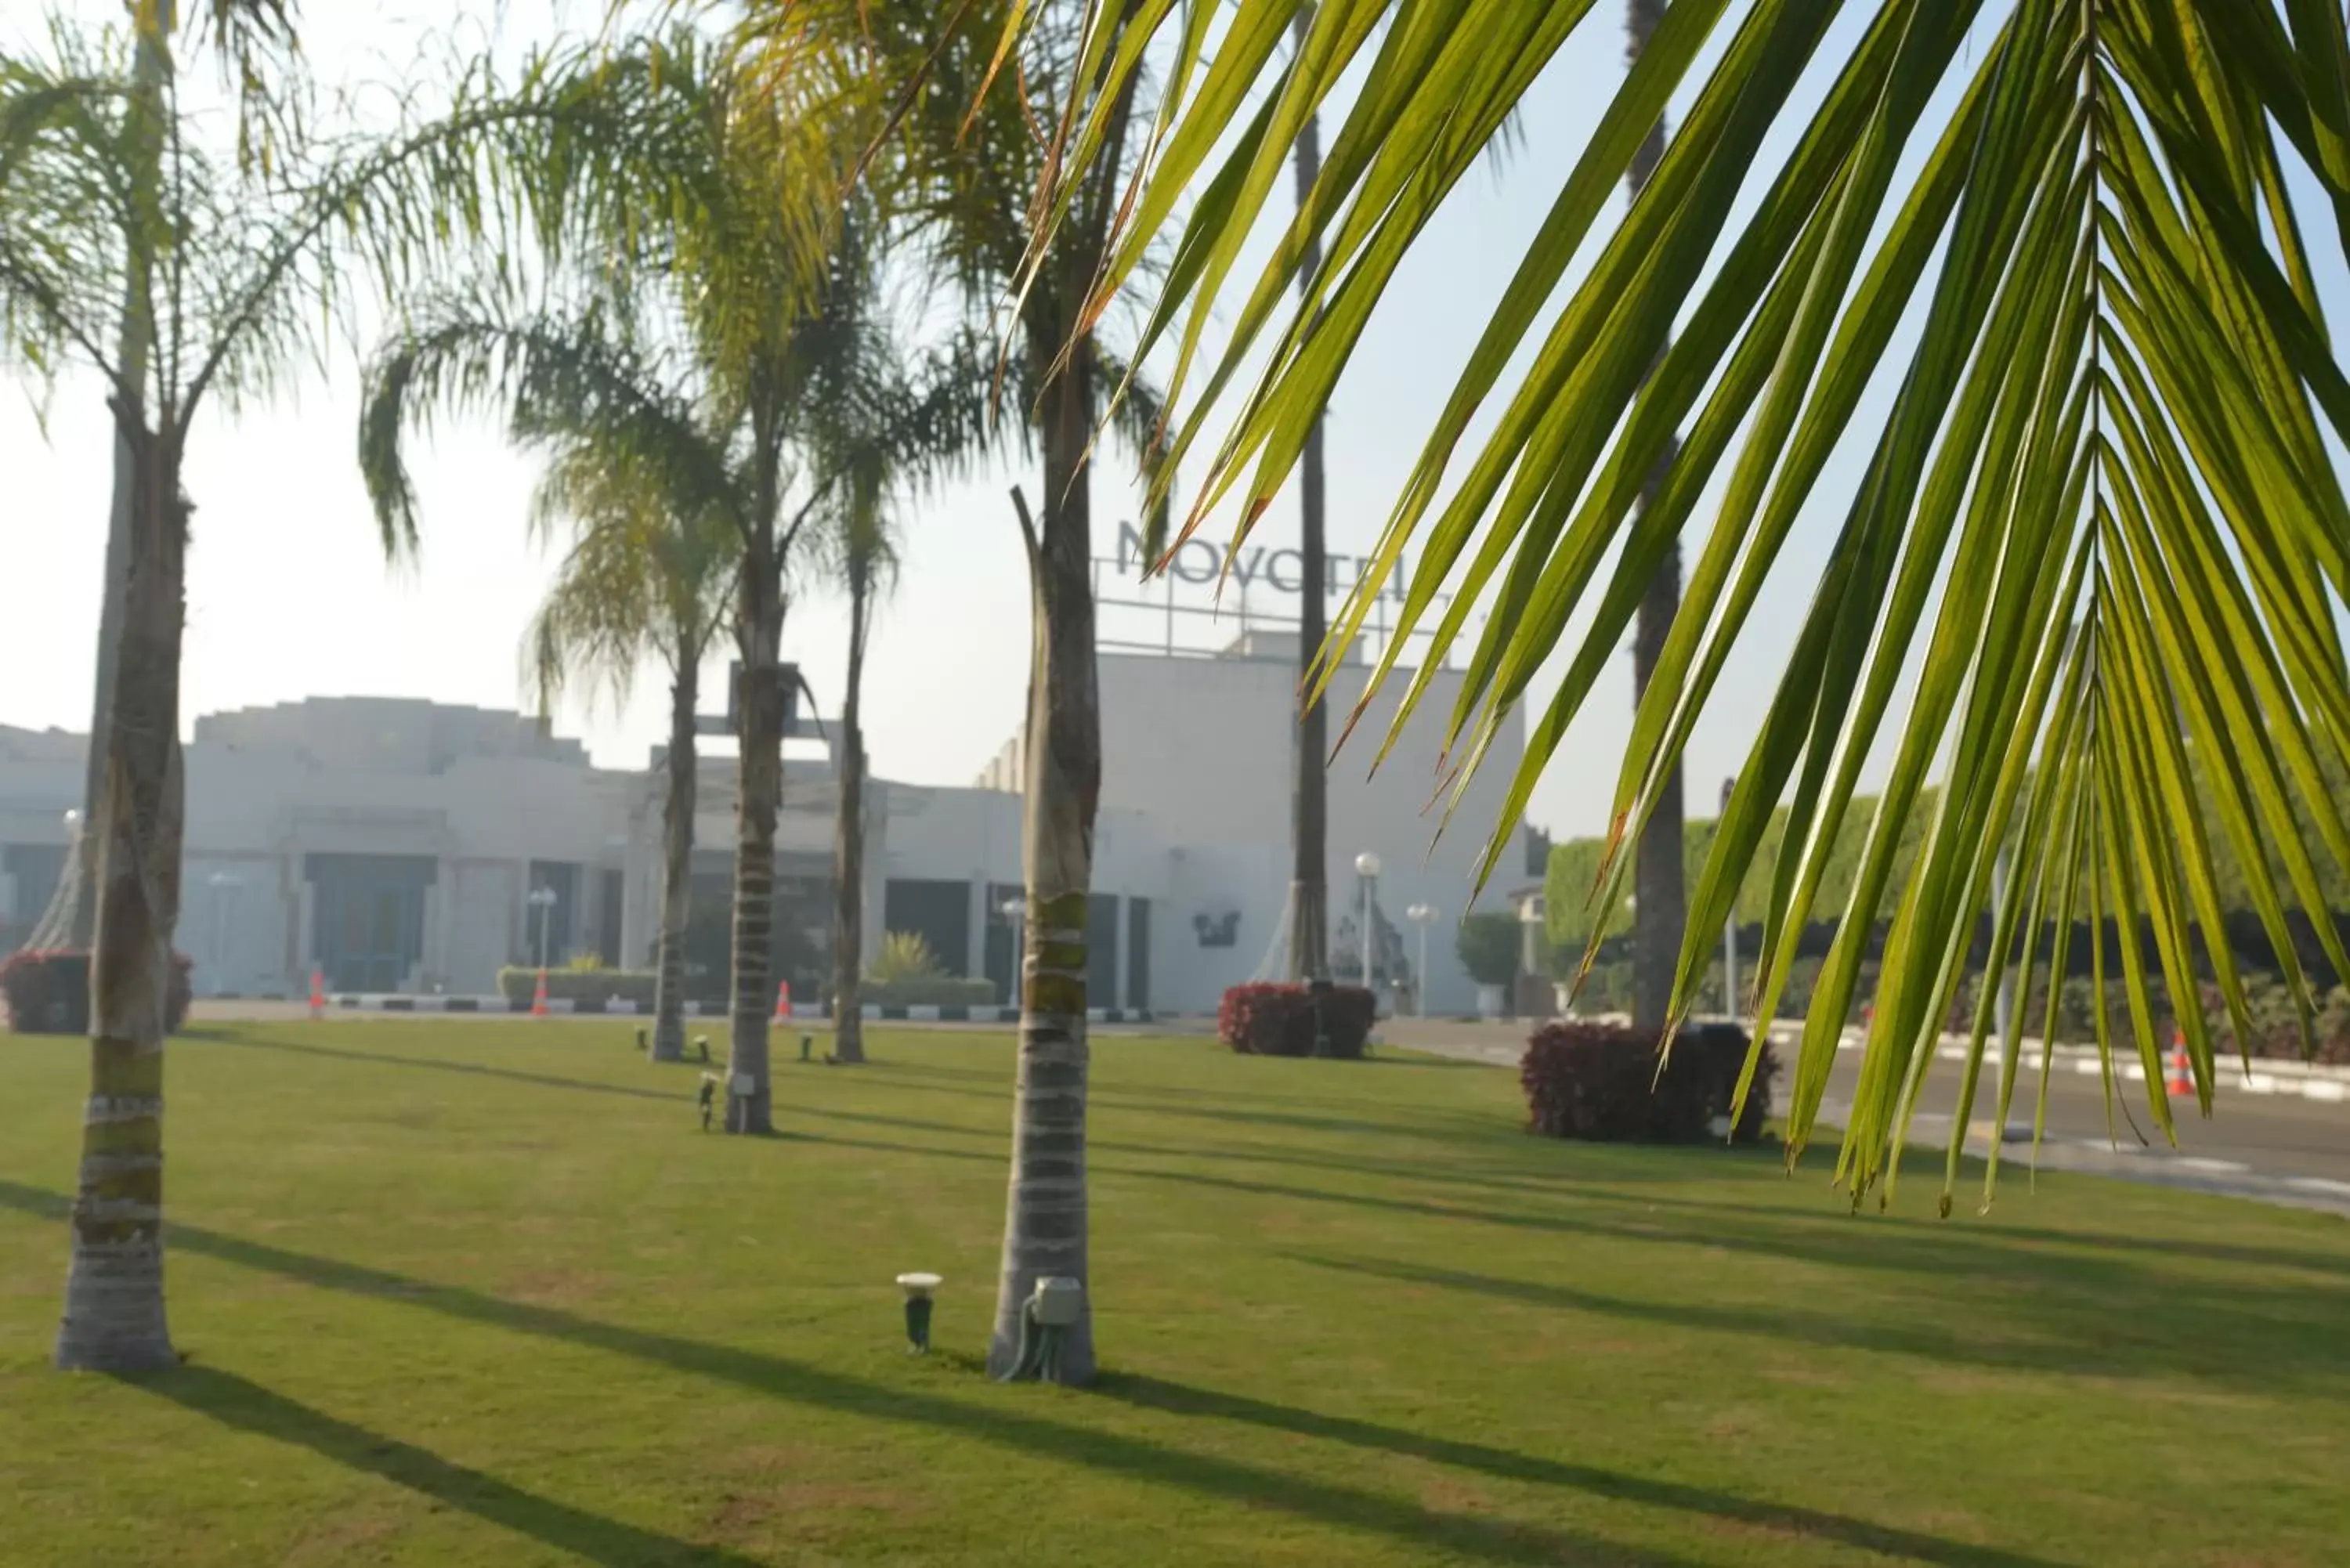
1599,1082
904,956
1488,947
47,992
1278,1020
586,963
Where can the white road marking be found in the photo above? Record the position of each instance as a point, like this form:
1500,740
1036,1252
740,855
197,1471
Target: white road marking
2319,1184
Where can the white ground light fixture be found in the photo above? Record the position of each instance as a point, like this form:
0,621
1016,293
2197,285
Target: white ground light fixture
919,1289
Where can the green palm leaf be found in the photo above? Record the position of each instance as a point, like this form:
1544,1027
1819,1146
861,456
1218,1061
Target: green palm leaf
2100,518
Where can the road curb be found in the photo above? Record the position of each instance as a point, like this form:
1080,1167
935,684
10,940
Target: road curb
2317,1082
624,1008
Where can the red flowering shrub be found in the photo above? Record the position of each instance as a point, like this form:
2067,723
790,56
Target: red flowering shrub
1278,1020
47,992
1599,1082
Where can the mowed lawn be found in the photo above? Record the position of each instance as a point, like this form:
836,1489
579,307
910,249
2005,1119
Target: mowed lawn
474,1293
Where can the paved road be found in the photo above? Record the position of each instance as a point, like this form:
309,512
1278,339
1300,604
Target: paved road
2278,1149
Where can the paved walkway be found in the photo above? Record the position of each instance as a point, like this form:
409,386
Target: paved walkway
2283,1150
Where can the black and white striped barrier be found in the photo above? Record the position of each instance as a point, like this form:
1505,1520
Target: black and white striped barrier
615,1006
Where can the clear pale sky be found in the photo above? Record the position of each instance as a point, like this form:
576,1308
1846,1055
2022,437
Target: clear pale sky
290,596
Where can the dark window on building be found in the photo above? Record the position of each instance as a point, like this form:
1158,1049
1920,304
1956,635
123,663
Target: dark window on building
1002,958
1101,951
609,942
939,912
1138,953
367,925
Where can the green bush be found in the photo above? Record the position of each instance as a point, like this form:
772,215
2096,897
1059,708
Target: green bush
2275,1022
929,991
1489,945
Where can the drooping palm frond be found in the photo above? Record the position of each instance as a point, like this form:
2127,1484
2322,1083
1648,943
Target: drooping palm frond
64,204
2100,513
570,157
638,581
556,379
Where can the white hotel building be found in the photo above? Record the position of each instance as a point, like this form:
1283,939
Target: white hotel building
394,844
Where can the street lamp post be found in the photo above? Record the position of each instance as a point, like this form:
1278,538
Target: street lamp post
1014,909
543,900
1367,864
1423,915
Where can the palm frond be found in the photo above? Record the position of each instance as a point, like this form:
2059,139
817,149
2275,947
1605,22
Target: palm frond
2100,515
640,579
554,380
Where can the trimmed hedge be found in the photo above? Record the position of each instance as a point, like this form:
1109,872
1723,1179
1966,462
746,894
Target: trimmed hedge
48,993
1599,1082
930,991
1278,1020
636,985
519,985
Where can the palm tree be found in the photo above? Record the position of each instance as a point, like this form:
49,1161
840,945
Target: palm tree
903,423
1660,896
729,325
2098,509
866,560
638,581
256,39
1309,876
959,164
106,196
572,379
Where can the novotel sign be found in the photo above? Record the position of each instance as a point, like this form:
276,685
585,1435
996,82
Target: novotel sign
1197,561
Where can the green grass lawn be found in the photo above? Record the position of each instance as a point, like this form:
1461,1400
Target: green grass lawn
481,1294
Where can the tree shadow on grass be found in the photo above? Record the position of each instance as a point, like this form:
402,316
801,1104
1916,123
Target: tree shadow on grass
2230,1339
2066,1280
234,1401
1181,1399
1175,1098
1470,1126
1340,1507
474,1069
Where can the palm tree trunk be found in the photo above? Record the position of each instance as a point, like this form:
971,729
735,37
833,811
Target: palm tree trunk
749,1108
114,1317
1309,884
849,863
677,858
72,918
1660,908
1044,1222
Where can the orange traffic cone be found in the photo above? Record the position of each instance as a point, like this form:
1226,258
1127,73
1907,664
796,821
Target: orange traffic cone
318,993
2178,1075
783,1001
538,999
